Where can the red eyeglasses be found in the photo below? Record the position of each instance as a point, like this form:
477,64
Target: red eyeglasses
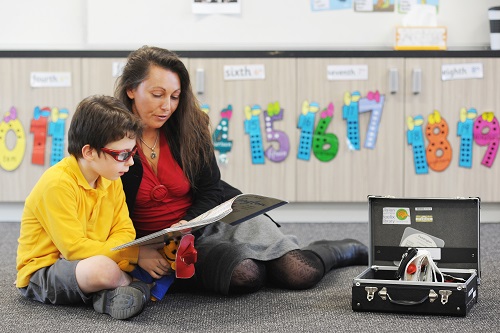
120,155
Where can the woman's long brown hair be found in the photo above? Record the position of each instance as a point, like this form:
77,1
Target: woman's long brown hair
188,129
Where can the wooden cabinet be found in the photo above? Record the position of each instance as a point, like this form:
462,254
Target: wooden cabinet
371,169
448,97
282,166
25,128
248,165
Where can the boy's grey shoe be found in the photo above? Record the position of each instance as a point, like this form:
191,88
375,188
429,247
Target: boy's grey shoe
122,302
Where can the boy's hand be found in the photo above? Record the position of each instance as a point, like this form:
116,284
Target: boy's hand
152,261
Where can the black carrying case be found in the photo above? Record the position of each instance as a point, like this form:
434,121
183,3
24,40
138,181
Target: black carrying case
448,228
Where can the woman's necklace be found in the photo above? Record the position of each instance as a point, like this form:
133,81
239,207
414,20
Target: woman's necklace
153,154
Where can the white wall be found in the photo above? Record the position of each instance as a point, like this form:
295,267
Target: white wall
262,25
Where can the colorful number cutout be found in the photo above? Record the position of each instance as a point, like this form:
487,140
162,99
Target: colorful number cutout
220,136
486,133
350,113
38,127
252,128
465,132
438,150
10,159
415,138
374,102
326,145
272,114
306,125
56,130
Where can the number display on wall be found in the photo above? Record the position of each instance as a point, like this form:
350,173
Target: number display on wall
465,132
11,158
220,136
486,133
275,113
438,150
252,128
325,145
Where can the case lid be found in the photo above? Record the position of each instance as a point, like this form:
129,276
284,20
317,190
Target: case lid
447,227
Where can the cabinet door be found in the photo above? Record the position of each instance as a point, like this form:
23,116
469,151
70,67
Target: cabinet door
261,158
353,174
99,75
29,147
446,177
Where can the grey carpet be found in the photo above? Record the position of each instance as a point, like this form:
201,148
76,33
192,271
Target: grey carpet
325,308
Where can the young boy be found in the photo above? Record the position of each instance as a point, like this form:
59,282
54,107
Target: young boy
76,214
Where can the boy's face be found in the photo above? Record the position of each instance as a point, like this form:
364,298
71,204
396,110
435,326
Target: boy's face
106,166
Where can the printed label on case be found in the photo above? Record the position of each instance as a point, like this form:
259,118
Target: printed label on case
423,208
396,215
423,218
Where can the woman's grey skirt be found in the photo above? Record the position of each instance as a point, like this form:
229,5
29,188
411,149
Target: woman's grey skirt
221,247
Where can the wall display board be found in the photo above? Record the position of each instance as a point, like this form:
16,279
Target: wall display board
262,122
464,92
361,166
35,111
305,129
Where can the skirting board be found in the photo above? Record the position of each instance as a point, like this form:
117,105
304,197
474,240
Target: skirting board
324,212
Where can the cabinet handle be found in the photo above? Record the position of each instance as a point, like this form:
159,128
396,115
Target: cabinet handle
417,81
200,81
393,80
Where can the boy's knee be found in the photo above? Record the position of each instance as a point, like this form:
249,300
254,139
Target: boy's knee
100,272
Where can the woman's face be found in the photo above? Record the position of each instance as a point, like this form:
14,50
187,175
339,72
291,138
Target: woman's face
157,97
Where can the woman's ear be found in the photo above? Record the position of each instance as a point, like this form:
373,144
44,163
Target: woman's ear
88,152
130,93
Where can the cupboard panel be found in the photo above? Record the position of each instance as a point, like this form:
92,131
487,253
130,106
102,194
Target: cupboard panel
353,174
19,138
448,98
269,177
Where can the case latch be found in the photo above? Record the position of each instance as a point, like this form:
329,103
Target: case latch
444,296
370,293
432,295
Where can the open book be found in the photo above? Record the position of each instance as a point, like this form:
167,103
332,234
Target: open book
236,210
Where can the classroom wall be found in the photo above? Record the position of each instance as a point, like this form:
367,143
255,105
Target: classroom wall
262,25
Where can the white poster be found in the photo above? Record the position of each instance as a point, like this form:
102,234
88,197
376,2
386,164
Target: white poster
216,6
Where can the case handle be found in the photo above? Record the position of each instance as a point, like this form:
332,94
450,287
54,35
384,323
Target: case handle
384,295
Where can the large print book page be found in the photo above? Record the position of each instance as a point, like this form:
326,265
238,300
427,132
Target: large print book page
236,210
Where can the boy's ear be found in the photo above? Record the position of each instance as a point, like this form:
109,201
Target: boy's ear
88,152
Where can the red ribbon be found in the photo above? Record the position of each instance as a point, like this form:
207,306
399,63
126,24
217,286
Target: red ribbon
185,258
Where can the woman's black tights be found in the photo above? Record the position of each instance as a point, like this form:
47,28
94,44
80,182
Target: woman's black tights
295,270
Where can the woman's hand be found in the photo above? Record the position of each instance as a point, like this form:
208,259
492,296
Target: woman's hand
181,222
152,261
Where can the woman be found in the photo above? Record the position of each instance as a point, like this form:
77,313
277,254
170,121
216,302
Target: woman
177,178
